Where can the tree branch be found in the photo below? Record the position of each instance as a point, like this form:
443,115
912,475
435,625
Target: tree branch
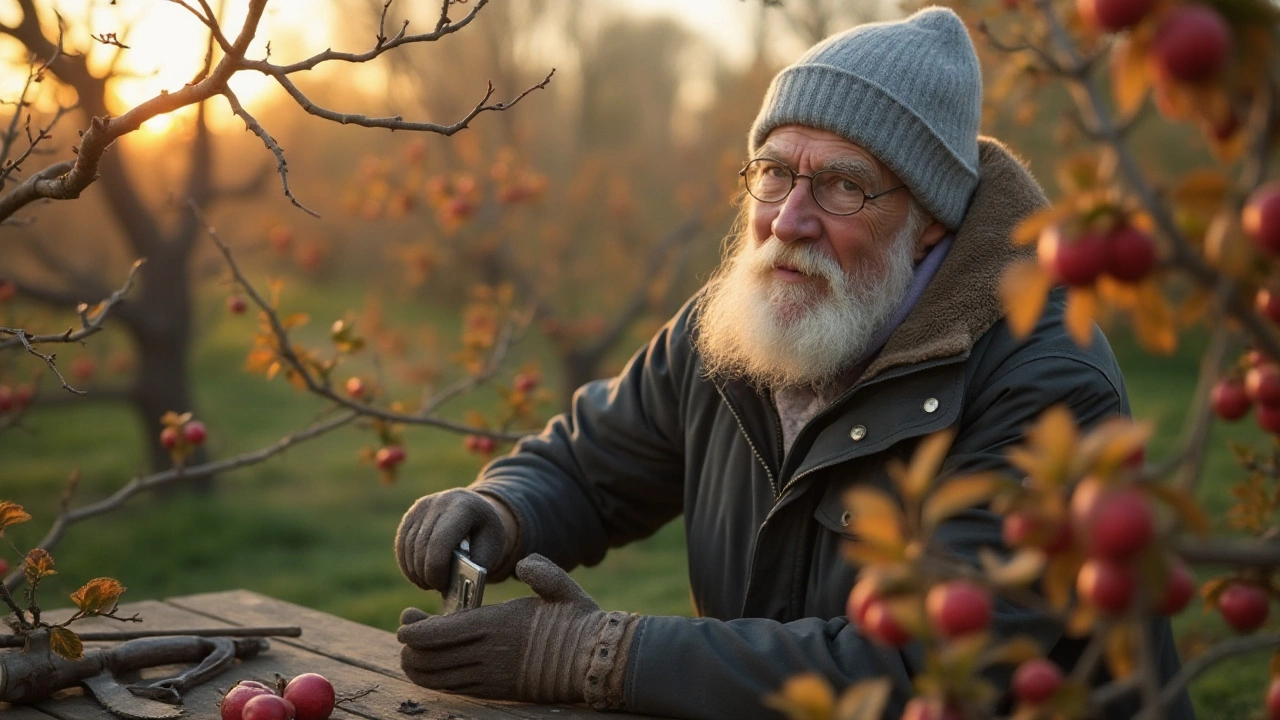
251,123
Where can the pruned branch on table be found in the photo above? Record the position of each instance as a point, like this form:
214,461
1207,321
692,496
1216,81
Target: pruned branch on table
321,386
66,180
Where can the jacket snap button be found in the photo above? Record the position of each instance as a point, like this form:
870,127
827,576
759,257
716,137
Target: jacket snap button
930,405
858,432
846,517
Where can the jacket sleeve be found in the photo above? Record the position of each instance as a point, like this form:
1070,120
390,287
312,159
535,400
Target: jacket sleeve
610,470
734,664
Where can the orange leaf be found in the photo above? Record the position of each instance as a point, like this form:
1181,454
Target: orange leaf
1028,230
958,494
66,643
1130,76
11,513
807,696
877,518
1014,652
98,596
1190,513
38,564
1154,321
1023,290
1024,568
1120,644
925,463
1081,308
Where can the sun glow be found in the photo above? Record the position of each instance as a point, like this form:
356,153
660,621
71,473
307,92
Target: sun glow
165,47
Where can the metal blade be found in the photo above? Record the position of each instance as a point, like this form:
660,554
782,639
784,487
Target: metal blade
119,701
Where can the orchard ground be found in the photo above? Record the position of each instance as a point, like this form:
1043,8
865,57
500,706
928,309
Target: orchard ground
314,526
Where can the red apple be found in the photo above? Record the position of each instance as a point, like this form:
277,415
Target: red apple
1273,700
236,304
1121,525
1106,585
1244,607
1229,399
1262,384
267,707
232,705
1191,43
388,457
1084,501
169,437
1261,217
958,607
312,695
1267,303
926,709
4,567
1178,589
1131,254
1036,680
355,387
6,398
1268,418
863,594
1113,15
525,382
1075,261
194,432
881,626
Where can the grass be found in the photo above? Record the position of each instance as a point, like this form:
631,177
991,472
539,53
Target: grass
314,526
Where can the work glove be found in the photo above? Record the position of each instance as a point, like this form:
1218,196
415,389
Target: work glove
558,647
436,525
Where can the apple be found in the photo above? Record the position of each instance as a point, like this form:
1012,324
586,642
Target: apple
1131,254
194,432
958,607
1262,384
1191,43
312,695
355,387
1261,217
1113,15
863,594
232,705
1178,589
1267,303
1229,399
525,382
1107,585
1121,525
1273,700
880,625
1036,680
4,567
1075,261
6,398
1268,418
267,707
388,457
1244,607
236,304
925,709
1084,501
169,437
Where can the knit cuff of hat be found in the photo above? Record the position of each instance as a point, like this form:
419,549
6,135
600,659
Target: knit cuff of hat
828,98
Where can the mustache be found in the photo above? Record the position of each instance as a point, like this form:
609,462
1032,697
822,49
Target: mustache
801,258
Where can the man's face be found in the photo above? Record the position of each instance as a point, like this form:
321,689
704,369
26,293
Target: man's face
804,290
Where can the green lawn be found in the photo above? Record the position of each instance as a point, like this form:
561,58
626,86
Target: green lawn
315,527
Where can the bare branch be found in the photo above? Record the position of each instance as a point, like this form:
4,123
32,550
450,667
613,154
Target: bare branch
168,477
251,123
110,39
398,122
321,387
88,325
209,20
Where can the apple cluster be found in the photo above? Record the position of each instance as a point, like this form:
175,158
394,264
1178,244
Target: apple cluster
309,696
1079,256
1191,40
185,436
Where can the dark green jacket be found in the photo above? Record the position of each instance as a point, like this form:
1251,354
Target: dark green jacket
765,529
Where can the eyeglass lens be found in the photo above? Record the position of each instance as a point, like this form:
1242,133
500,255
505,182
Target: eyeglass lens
771,181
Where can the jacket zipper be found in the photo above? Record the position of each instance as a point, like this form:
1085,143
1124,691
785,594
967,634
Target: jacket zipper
773,483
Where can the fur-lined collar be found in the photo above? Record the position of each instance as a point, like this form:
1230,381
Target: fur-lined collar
963,302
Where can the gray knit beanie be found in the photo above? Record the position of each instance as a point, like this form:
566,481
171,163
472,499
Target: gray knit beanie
909,92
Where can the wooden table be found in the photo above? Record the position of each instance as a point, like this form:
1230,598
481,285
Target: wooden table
354,657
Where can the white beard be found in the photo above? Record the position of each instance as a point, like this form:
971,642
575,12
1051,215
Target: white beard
775,334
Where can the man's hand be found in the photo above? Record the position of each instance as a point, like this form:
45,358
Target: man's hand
434,527
558,647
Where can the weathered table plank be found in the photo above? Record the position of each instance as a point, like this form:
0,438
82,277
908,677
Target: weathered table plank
354,657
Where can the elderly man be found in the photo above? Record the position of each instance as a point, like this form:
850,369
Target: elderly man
855,313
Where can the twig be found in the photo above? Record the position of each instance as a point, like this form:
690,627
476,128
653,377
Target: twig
1220,651
1248,553
282,167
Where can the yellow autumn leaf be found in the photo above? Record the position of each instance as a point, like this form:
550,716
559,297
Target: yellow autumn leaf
877,518
1130,74
1014,652
1111,443
925,463
807,696
1154,321
1029,228
1120,649
98,596
864,700
11,513
297,319
1025,567
1081,310
1189,512
958,494
1024,287
66,643
1060,579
